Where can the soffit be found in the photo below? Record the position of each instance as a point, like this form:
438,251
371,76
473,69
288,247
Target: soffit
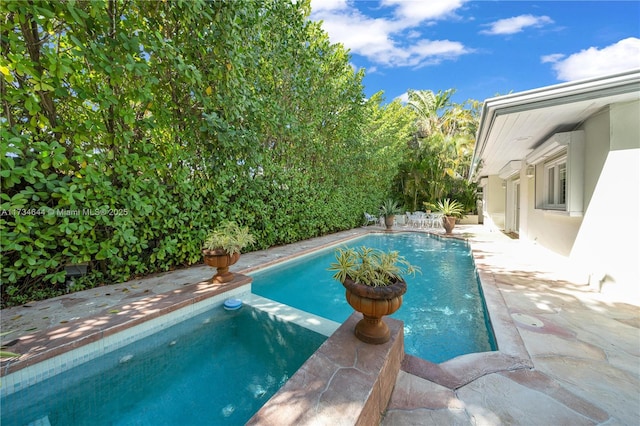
512,126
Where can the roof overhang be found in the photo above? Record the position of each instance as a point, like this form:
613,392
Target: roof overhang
512,126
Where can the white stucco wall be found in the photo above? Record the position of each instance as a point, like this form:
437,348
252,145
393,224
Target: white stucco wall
527,191
555,231
597,145
607,245
603,243
494,203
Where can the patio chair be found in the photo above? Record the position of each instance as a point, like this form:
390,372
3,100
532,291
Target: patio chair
369,218
418,219
435,220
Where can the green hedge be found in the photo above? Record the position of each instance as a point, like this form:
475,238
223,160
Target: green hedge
131,128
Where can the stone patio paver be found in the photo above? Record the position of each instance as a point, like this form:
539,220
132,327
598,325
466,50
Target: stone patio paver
584,347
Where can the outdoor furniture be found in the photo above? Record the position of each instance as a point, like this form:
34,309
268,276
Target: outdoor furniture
369,218
435,220
418,219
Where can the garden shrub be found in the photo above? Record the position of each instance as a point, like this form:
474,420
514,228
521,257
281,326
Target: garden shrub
131,128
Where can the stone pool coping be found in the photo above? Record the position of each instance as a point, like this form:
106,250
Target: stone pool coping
345,382
510,355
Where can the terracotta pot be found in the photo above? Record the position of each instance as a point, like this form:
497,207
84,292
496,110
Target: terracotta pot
388,222
448,222
221,260
374,303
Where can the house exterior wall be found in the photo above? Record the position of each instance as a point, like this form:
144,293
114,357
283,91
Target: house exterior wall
597,144
555,231
609,256
527,193
494,199
606,257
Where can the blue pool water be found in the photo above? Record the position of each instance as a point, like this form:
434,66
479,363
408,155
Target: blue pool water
443,309
216,368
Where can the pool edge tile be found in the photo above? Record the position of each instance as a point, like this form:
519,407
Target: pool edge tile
77,342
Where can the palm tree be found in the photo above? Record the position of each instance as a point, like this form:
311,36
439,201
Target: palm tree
428,106
441,147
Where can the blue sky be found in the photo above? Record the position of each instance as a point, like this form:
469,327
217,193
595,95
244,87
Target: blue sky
481,48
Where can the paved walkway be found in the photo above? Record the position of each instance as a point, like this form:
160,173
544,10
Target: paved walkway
584,347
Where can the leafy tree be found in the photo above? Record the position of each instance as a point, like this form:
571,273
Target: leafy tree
387,130
441,149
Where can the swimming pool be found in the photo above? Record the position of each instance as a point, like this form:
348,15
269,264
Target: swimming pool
443,309
218,367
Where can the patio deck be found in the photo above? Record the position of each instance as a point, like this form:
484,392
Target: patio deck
584,347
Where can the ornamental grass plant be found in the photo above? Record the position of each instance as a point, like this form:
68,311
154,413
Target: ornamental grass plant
370,266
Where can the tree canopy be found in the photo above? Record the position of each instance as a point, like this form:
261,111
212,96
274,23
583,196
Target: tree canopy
441,148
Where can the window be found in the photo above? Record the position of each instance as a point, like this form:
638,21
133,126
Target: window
559,173
555,183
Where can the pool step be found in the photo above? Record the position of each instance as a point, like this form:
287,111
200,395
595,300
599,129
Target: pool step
345,381
43,421
289,313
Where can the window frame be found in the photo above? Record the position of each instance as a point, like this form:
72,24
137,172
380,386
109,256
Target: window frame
566,150
555,188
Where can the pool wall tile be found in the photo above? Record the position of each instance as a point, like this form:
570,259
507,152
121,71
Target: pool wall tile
55,351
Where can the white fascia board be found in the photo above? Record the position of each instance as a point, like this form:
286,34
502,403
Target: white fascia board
569,92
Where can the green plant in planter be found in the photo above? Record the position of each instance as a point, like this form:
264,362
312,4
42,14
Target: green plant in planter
450,208
374,284
222,246
390,208
228,236
451,211
371,267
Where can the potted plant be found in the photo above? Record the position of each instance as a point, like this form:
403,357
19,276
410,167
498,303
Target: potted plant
389,209
451,211
374,285
222,246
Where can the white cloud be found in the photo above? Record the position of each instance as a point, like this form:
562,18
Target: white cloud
554,57
593,62
328,5
418,11
384,41
404,98
516,24
428,52
372,70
